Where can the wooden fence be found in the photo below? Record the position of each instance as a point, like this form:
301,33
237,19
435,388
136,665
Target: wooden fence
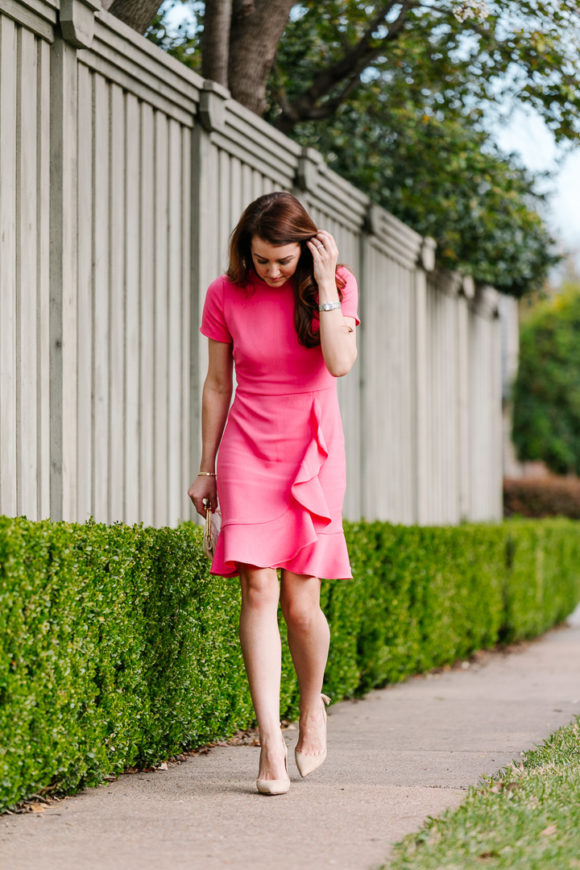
122,174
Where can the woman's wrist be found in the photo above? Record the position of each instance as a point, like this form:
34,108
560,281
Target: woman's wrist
207,466
327,292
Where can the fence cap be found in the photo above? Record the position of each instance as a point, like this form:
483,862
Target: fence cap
427,253
468,287
309,164
212,106
77,21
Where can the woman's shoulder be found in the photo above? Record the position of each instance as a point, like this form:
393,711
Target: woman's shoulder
219,284
224,285
221,290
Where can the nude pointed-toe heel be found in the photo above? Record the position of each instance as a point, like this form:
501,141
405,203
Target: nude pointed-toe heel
276,786
308,763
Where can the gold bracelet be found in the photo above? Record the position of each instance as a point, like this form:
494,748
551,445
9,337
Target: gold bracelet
208,473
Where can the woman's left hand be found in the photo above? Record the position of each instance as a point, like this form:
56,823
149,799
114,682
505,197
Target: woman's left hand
324,258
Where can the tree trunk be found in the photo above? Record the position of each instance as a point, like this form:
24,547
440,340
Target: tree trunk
138,14
215,40
256,28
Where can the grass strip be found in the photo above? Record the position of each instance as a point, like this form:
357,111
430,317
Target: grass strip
526,816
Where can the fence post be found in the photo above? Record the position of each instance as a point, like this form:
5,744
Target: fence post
206,240
466,293
422,477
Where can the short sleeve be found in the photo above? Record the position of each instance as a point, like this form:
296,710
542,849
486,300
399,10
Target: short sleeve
213,322
349,301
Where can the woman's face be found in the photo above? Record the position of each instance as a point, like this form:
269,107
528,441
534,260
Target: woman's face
275,264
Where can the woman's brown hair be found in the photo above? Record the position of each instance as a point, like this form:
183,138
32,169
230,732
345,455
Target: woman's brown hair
280,219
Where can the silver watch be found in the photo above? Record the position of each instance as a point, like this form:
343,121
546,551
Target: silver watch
328,306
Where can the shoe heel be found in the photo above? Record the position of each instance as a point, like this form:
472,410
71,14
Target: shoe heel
276,786
306,764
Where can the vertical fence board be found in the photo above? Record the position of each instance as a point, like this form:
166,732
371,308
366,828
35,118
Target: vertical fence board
85,291
8,296
117,231
186,289
26,182
175,474
146,449
101,445
462,373
224,217
160,325
42,280
132,331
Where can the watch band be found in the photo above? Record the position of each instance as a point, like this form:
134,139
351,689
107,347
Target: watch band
328,306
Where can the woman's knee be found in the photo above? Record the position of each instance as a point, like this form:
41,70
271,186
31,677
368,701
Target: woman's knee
260,586
300,612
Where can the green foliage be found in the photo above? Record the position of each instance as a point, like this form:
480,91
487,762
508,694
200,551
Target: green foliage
445,179
546,393
412,132
403,112
117,648
526,50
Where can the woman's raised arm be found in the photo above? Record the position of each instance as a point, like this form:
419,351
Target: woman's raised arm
337,332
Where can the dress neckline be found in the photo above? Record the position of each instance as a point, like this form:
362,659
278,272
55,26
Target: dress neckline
259,282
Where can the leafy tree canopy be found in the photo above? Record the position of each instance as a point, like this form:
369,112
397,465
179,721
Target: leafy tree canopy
444,177
546,393
398,98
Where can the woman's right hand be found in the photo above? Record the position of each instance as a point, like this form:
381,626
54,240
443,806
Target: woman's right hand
203,487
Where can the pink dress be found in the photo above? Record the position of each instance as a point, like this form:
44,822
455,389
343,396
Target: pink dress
281,463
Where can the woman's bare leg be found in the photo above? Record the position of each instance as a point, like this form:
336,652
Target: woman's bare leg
261,648
308,639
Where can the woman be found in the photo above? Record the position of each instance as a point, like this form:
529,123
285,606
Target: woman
285,316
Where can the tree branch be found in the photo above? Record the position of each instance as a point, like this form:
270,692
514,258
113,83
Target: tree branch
307,106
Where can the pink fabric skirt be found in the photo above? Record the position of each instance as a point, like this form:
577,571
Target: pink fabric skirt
281,482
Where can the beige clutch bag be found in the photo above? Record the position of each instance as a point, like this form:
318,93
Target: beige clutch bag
211,530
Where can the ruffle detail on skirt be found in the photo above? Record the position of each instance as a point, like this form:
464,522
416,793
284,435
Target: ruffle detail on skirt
327,557
306,488
324,556
263,544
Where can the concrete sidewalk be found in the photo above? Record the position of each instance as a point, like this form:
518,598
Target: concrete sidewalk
401,754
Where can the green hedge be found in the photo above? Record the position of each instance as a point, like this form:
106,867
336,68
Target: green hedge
118,649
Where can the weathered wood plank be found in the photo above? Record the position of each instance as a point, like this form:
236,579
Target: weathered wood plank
187,411
43,278
161,210
147,317
26,266
117,229
175,350
132,172
86,159
101,290
8,298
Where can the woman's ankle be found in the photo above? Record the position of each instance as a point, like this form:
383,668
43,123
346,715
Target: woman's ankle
270,736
